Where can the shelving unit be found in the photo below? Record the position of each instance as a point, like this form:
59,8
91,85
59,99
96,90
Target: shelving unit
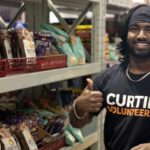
37,12
21,81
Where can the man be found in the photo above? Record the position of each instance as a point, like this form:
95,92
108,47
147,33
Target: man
122,89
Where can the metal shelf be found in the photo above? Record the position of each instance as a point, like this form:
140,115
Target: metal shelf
37,12
114,9
118,6
76,4
21,81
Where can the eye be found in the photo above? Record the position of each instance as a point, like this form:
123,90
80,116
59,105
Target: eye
148,29
134,29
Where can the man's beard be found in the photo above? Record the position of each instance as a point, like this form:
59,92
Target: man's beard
137,53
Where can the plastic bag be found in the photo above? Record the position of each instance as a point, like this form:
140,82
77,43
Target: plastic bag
76,133
71,46
71,59
112,52
56,32
78,49
70,140
59,38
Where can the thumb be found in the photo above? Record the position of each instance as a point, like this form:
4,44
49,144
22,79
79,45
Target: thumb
89,84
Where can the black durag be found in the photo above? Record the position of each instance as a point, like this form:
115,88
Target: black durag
141,14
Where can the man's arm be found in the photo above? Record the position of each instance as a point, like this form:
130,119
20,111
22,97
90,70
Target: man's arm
144,146
87,103
79,123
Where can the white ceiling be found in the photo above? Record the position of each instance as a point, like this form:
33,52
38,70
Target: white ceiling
8,8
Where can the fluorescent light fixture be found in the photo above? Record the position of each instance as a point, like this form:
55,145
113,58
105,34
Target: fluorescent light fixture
73,15
53,18
138,1
69,15
89,14
110,16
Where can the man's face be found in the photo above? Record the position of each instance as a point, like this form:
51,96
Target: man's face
138,40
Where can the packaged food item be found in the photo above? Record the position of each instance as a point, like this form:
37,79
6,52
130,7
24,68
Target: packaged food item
57,33
25,42
25,137
71,58
78,49
7,140
14,44
42,138
5,44
42,43
70,140
76,133
8,102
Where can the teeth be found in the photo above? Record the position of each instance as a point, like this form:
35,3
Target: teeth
142,44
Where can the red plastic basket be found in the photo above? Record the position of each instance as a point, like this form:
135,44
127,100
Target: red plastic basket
20,65
3,66
24,65
51,62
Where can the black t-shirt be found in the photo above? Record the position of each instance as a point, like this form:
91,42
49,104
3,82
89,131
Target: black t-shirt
127,121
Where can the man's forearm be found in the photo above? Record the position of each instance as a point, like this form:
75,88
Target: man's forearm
79,123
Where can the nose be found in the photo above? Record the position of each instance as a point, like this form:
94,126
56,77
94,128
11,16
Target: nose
141,34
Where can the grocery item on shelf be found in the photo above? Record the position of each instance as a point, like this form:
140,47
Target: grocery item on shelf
33,129
25,138
107,49
42,43
5,44
46,44
84,32
71,59
78,49
8,102
25,42
59,34
40,50
70,140
113,53
77,134
30,52
52,29
71,46
8,141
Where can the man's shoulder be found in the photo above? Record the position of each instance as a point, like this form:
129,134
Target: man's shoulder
113,69
107,74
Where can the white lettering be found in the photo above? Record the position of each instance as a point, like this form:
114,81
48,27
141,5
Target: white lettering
148,106
108,98
121,102
145,102
139,99
130,101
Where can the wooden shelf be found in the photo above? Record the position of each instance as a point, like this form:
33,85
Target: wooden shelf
88,141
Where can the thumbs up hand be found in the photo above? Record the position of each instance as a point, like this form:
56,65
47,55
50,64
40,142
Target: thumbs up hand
89,84
89,101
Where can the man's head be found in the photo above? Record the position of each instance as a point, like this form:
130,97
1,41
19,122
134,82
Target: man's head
138,40
136,34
